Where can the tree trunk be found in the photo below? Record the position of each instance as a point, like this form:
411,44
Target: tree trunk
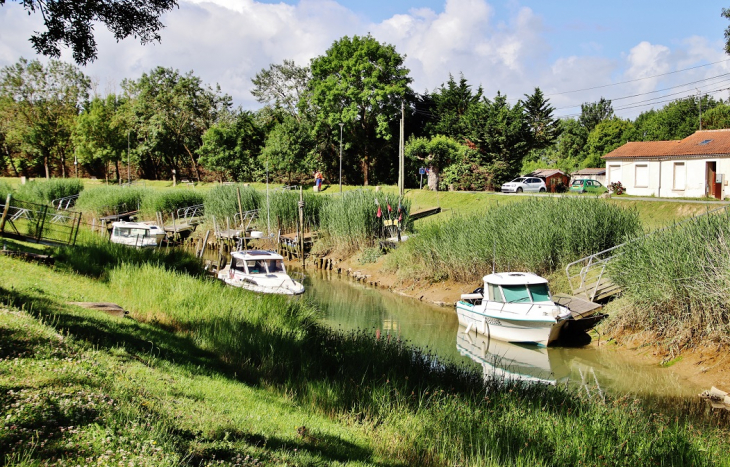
45,165
116,165
433,178
10,160
195,165
365,167
63,166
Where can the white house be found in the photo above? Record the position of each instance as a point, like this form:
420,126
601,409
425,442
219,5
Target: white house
694,167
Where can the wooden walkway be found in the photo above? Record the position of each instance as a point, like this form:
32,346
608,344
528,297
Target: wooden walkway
424,213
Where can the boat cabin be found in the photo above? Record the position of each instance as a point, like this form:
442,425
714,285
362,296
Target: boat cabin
511,287
257,262
133,230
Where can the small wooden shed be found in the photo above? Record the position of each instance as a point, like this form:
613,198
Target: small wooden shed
555,180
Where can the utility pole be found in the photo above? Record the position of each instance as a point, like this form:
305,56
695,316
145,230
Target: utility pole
699,103
129,171
341,125
401,151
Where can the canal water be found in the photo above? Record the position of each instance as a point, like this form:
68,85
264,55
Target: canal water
596,369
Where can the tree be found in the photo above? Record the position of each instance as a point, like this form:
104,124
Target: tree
70,23
283,86
501,134
436,152
171,112
605,137
361,83
717,118
232,145
42,104
101,135
676,120
726,14
593,113
543,128
290,148
451,102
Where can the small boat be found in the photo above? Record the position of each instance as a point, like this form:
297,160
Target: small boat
137,234
514,307
259,271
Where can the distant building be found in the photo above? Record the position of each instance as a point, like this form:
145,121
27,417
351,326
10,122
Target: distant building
555,180
696,166
598,174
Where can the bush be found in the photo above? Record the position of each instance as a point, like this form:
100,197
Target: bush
538,235
616,188
45,191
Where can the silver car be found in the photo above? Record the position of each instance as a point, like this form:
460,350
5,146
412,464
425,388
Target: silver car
518,185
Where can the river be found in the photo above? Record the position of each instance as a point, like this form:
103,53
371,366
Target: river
597,369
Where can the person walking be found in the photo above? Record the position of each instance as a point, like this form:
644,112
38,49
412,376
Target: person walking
318,181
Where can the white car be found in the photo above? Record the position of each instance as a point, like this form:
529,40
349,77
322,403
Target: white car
518,185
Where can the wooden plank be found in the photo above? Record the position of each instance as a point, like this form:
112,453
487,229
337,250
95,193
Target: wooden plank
424,213
579,307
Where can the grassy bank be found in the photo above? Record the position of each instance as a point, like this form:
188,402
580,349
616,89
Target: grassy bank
206,374
539,235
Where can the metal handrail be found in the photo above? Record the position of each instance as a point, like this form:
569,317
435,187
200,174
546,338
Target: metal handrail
65,202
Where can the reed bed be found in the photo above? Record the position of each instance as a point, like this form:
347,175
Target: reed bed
538,235
222,200
5,190
45,191
167,201
350,222
284,209
112,199
677,283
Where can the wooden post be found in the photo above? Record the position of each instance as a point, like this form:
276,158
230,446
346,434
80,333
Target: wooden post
240,208
5,212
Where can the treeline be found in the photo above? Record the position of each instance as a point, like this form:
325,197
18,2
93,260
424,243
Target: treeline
346,106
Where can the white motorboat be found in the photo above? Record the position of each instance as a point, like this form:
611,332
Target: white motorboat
515,307
259,271
137,234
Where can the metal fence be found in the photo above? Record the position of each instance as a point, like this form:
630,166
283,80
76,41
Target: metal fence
36,222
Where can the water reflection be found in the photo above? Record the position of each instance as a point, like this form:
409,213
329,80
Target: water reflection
596,369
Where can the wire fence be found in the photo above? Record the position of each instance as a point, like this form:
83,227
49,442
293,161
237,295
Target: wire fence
37,222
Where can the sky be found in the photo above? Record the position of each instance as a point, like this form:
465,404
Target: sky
640,54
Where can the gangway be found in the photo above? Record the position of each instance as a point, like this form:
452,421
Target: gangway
65,203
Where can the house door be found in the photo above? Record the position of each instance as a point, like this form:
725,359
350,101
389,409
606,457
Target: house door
712,188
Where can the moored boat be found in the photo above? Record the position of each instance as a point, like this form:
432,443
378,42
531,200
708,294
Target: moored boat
137,234
514,307
259,271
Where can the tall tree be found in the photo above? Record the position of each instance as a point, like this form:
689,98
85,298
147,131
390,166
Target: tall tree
101,136
171,112
544,129
676,120
605,137
232,145
451,103
290,149
283,86
593,113
70,23
361,83
43,102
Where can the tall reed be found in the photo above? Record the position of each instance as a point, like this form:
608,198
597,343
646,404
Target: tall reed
5,190
350,221
538,235
112,199
222,200
45,191
167,201
677,282
284,209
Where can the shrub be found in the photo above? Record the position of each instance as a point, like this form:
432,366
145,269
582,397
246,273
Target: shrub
616,188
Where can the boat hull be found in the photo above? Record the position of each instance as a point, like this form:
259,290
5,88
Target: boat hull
278,286
516,329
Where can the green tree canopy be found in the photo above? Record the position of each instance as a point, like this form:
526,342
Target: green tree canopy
283,86
543,128
70,23
451,102
361,83
231,145
593,113
101,135
605,137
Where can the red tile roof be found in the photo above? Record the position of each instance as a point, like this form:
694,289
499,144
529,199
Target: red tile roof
546,173
701,143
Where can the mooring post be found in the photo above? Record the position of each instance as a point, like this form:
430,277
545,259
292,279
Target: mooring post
240,208
301,222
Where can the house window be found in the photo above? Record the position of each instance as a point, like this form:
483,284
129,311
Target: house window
642,176
680,176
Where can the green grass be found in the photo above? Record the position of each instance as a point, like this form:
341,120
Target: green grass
538,235
45,191
111,199
206,374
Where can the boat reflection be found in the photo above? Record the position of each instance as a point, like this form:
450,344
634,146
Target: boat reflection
513,362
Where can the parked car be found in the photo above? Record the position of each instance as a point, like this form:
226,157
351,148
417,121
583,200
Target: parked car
587,186
518,185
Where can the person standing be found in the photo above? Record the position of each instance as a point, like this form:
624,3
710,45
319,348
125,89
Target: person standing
318,181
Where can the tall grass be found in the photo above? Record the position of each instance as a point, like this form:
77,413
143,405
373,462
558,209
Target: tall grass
222,200
167,201
677,282
284,209
350,222
538,235
5,190
45,191
105,200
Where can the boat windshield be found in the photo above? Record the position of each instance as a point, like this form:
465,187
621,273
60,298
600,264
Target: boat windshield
256,266
526,293
275,265
127,232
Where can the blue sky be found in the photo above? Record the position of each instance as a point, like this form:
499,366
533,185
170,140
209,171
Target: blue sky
508,46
